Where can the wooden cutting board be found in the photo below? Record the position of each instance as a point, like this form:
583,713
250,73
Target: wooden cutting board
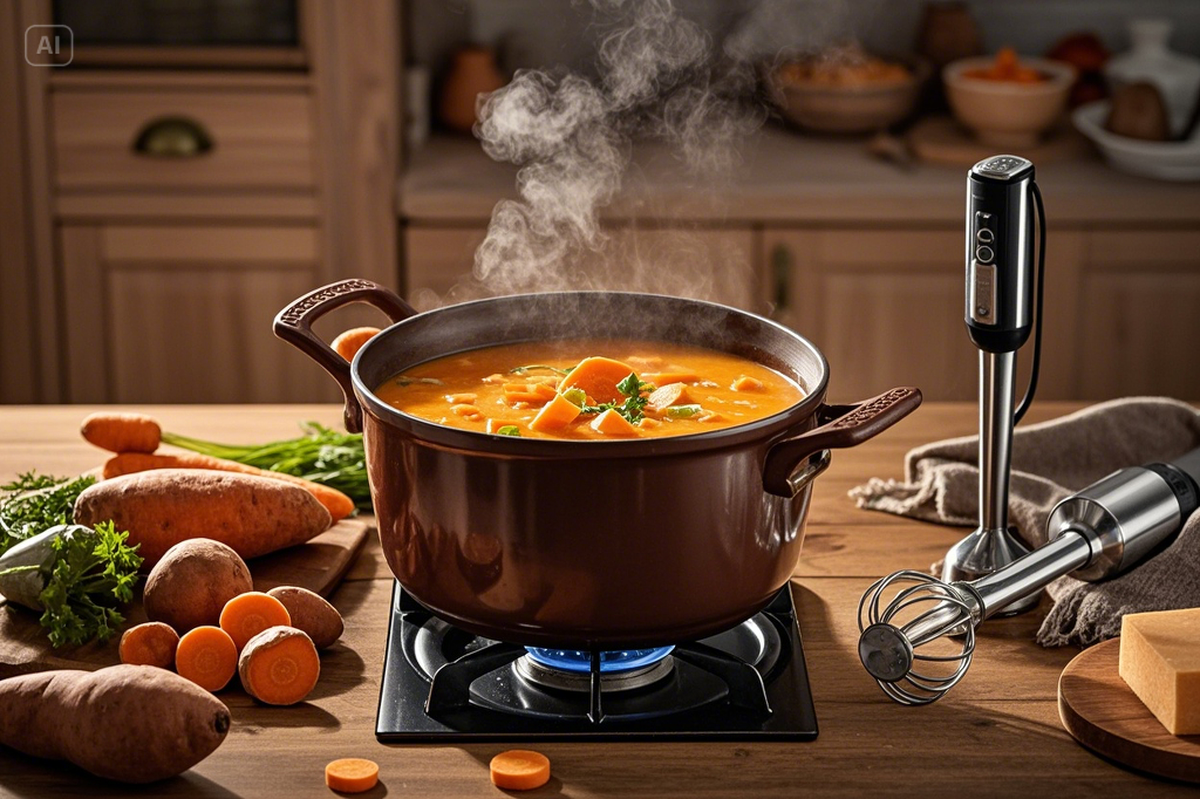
941,140
1104,714
318,565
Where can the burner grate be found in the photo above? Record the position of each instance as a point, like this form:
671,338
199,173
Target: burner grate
443,684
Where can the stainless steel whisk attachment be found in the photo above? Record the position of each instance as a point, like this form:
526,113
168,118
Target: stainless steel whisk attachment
899,637
1095,534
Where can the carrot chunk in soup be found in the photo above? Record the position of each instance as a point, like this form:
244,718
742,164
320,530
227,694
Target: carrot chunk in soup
611,423
555,415
598,377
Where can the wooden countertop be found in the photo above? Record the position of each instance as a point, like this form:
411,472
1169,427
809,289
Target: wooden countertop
996,734
791,179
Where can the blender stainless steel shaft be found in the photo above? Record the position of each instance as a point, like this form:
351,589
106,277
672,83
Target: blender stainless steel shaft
999,317
1092,535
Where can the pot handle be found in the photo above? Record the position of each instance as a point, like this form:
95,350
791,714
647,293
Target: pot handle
793,463
294,325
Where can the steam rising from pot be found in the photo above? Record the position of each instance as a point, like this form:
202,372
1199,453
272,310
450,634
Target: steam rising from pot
659,78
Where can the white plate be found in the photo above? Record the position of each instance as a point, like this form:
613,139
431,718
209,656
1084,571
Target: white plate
1179,161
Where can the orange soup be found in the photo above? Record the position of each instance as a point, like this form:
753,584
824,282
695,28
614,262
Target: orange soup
589,389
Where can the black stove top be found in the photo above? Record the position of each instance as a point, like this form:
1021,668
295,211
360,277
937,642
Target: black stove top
442,684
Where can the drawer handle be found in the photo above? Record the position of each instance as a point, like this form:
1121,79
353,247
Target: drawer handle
172,137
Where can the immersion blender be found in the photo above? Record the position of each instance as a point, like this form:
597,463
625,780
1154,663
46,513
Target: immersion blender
1000,314
1094,534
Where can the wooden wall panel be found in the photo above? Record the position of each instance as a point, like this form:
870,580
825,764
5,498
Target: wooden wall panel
204,335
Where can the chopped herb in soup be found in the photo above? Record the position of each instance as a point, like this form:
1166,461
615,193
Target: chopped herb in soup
590,389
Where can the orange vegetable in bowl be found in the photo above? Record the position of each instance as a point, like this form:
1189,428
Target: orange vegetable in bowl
1006,67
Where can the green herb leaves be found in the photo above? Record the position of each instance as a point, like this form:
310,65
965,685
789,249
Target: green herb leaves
92,571
632,408
509,430
322,455
34,503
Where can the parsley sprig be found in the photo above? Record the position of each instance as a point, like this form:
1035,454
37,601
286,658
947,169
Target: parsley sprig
634,404
34,502
91,571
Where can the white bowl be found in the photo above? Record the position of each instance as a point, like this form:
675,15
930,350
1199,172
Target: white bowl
1164,160
1003,113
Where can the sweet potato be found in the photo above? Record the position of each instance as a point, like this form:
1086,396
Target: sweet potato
279,666
150,644
338,504
128,723
598,377
193,581
311,613
160,508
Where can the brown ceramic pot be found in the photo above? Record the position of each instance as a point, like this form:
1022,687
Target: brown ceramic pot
588,544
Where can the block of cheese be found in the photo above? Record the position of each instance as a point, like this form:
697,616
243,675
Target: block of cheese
1160,660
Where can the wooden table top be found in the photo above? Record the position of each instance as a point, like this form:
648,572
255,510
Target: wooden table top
996,734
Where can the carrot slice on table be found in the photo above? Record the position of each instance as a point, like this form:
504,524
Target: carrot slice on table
352,774
248,614
207,656
557,414
520,770
149,644
122,432
598,377
338,504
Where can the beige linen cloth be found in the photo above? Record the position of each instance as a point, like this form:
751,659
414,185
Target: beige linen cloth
1050,460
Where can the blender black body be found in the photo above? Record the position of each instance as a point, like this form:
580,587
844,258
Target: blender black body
1000,315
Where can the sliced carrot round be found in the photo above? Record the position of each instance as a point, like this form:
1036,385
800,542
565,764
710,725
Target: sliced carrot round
207,656
352,774
520,770
248,614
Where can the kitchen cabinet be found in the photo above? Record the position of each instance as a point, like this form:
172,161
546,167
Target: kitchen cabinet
867,260
180,313
153,276
886,308
1139,314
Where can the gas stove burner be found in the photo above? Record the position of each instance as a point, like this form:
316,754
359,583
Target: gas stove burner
616,674
574,660
443,684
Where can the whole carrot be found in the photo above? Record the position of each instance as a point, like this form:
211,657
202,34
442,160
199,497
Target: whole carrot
122,432
338,504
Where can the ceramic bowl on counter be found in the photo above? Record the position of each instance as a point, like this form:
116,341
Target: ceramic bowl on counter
1003,113
1163,160
878,95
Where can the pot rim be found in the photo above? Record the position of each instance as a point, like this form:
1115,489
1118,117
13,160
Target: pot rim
508,446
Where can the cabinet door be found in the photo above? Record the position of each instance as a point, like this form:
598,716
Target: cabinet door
714,264
1139,315
885,307
183,314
